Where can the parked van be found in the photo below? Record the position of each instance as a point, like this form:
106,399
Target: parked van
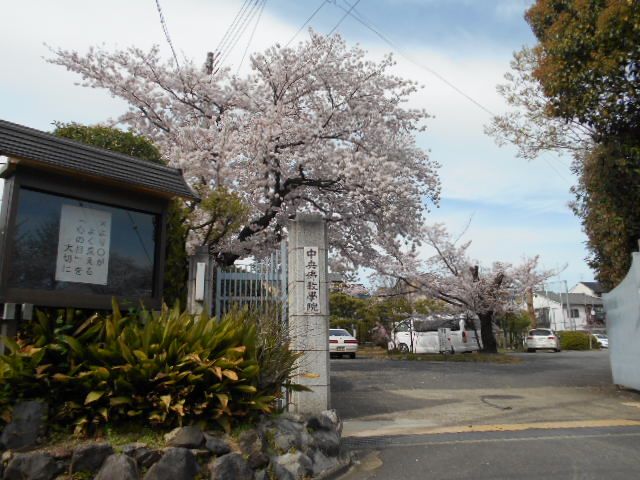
433,334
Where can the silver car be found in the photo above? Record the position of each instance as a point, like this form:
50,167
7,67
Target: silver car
542,339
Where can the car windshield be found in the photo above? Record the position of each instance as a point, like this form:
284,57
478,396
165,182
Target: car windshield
540,333
599,335
339,333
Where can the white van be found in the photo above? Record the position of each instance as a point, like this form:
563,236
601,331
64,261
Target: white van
433,334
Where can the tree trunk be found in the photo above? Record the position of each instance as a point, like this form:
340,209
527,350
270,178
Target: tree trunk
489,344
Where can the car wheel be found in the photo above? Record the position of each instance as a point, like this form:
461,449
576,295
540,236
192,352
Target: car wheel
352,355
403,348
531,350
557,350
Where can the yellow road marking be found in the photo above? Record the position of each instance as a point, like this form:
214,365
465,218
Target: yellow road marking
500,427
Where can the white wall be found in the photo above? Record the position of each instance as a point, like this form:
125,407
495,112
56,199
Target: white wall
558,316
580,288
622,305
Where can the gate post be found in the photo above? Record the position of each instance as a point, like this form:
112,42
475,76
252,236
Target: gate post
200,283
309,311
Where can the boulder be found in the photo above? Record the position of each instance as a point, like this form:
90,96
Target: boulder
118,467
26,427
297,464
328,441
90,456
322,463
175,464
284,434
252,445
142,454
231,466
185,437
32,465
217,445
325,420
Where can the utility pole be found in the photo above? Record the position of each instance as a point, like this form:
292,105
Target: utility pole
572,322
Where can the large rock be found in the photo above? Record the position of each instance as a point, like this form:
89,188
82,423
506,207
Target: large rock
90,457
283,434
230,467
142,454
328,441
217,445
252,445
322,463
175,464
326,420
185,437
32,466
27,425
297,464
118,467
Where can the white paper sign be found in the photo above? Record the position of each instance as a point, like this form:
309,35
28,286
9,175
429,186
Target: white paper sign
83,245
311,281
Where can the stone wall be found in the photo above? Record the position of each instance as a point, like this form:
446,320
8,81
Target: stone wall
284,447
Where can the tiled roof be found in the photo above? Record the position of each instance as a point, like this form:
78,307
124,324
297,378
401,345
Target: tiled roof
27,143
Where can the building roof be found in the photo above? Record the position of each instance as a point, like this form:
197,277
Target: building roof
47,150
595,286
574,298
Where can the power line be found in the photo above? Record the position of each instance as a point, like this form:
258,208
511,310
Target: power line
315,12
348,12
369,25
165,29
232,26
239,31
255,26
407,57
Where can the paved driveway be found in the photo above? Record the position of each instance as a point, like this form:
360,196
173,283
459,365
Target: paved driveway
544,411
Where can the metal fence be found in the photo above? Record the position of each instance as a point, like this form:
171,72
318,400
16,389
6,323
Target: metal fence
261,285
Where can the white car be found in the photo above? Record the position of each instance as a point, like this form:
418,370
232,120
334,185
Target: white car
342,343
602,339
542,339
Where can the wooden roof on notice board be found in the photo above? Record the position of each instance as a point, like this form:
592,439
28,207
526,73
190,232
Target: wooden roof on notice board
47,150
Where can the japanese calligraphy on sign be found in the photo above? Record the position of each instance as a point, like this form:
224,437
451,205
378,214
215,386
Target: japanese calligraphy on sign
83,245
311,281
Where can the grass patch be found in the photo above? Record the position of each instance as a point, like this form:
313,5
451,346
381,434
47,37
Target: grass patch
474,357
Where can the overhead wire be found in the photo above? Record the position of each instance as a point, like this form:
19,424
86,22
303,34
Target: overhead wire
306,22
222,45
239,31
165,29
253,32
347,13
369,25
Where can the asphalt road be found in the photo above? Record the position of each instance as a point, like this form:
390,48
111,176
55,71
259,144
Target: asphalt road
550,416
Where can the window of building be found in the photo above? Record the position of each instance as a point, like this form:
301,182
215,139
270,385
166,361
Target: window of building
575,313
71,245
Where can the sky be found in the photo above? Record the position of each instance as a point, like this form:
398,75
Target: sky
515,208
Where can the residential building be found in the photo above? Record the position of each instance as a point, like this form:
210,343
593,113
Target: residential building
593,289
572,311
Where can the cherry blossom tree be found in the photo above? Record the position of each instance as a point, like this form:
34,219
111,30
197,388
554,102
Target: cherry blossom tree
453,277
313,128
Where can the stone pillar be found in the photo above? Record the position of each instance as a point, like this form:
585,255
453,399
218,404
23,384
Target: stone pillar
309,311
200,283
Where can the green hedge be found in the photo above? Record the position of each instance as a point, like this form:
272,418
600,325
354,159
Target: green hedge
166,367
575,341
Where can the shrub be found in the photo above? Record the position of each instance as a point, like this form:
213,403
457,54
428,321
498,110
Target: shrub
166,367
574,340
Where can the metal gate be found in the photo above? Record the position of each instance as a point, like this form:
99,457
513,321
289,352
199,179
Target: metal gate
261,285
